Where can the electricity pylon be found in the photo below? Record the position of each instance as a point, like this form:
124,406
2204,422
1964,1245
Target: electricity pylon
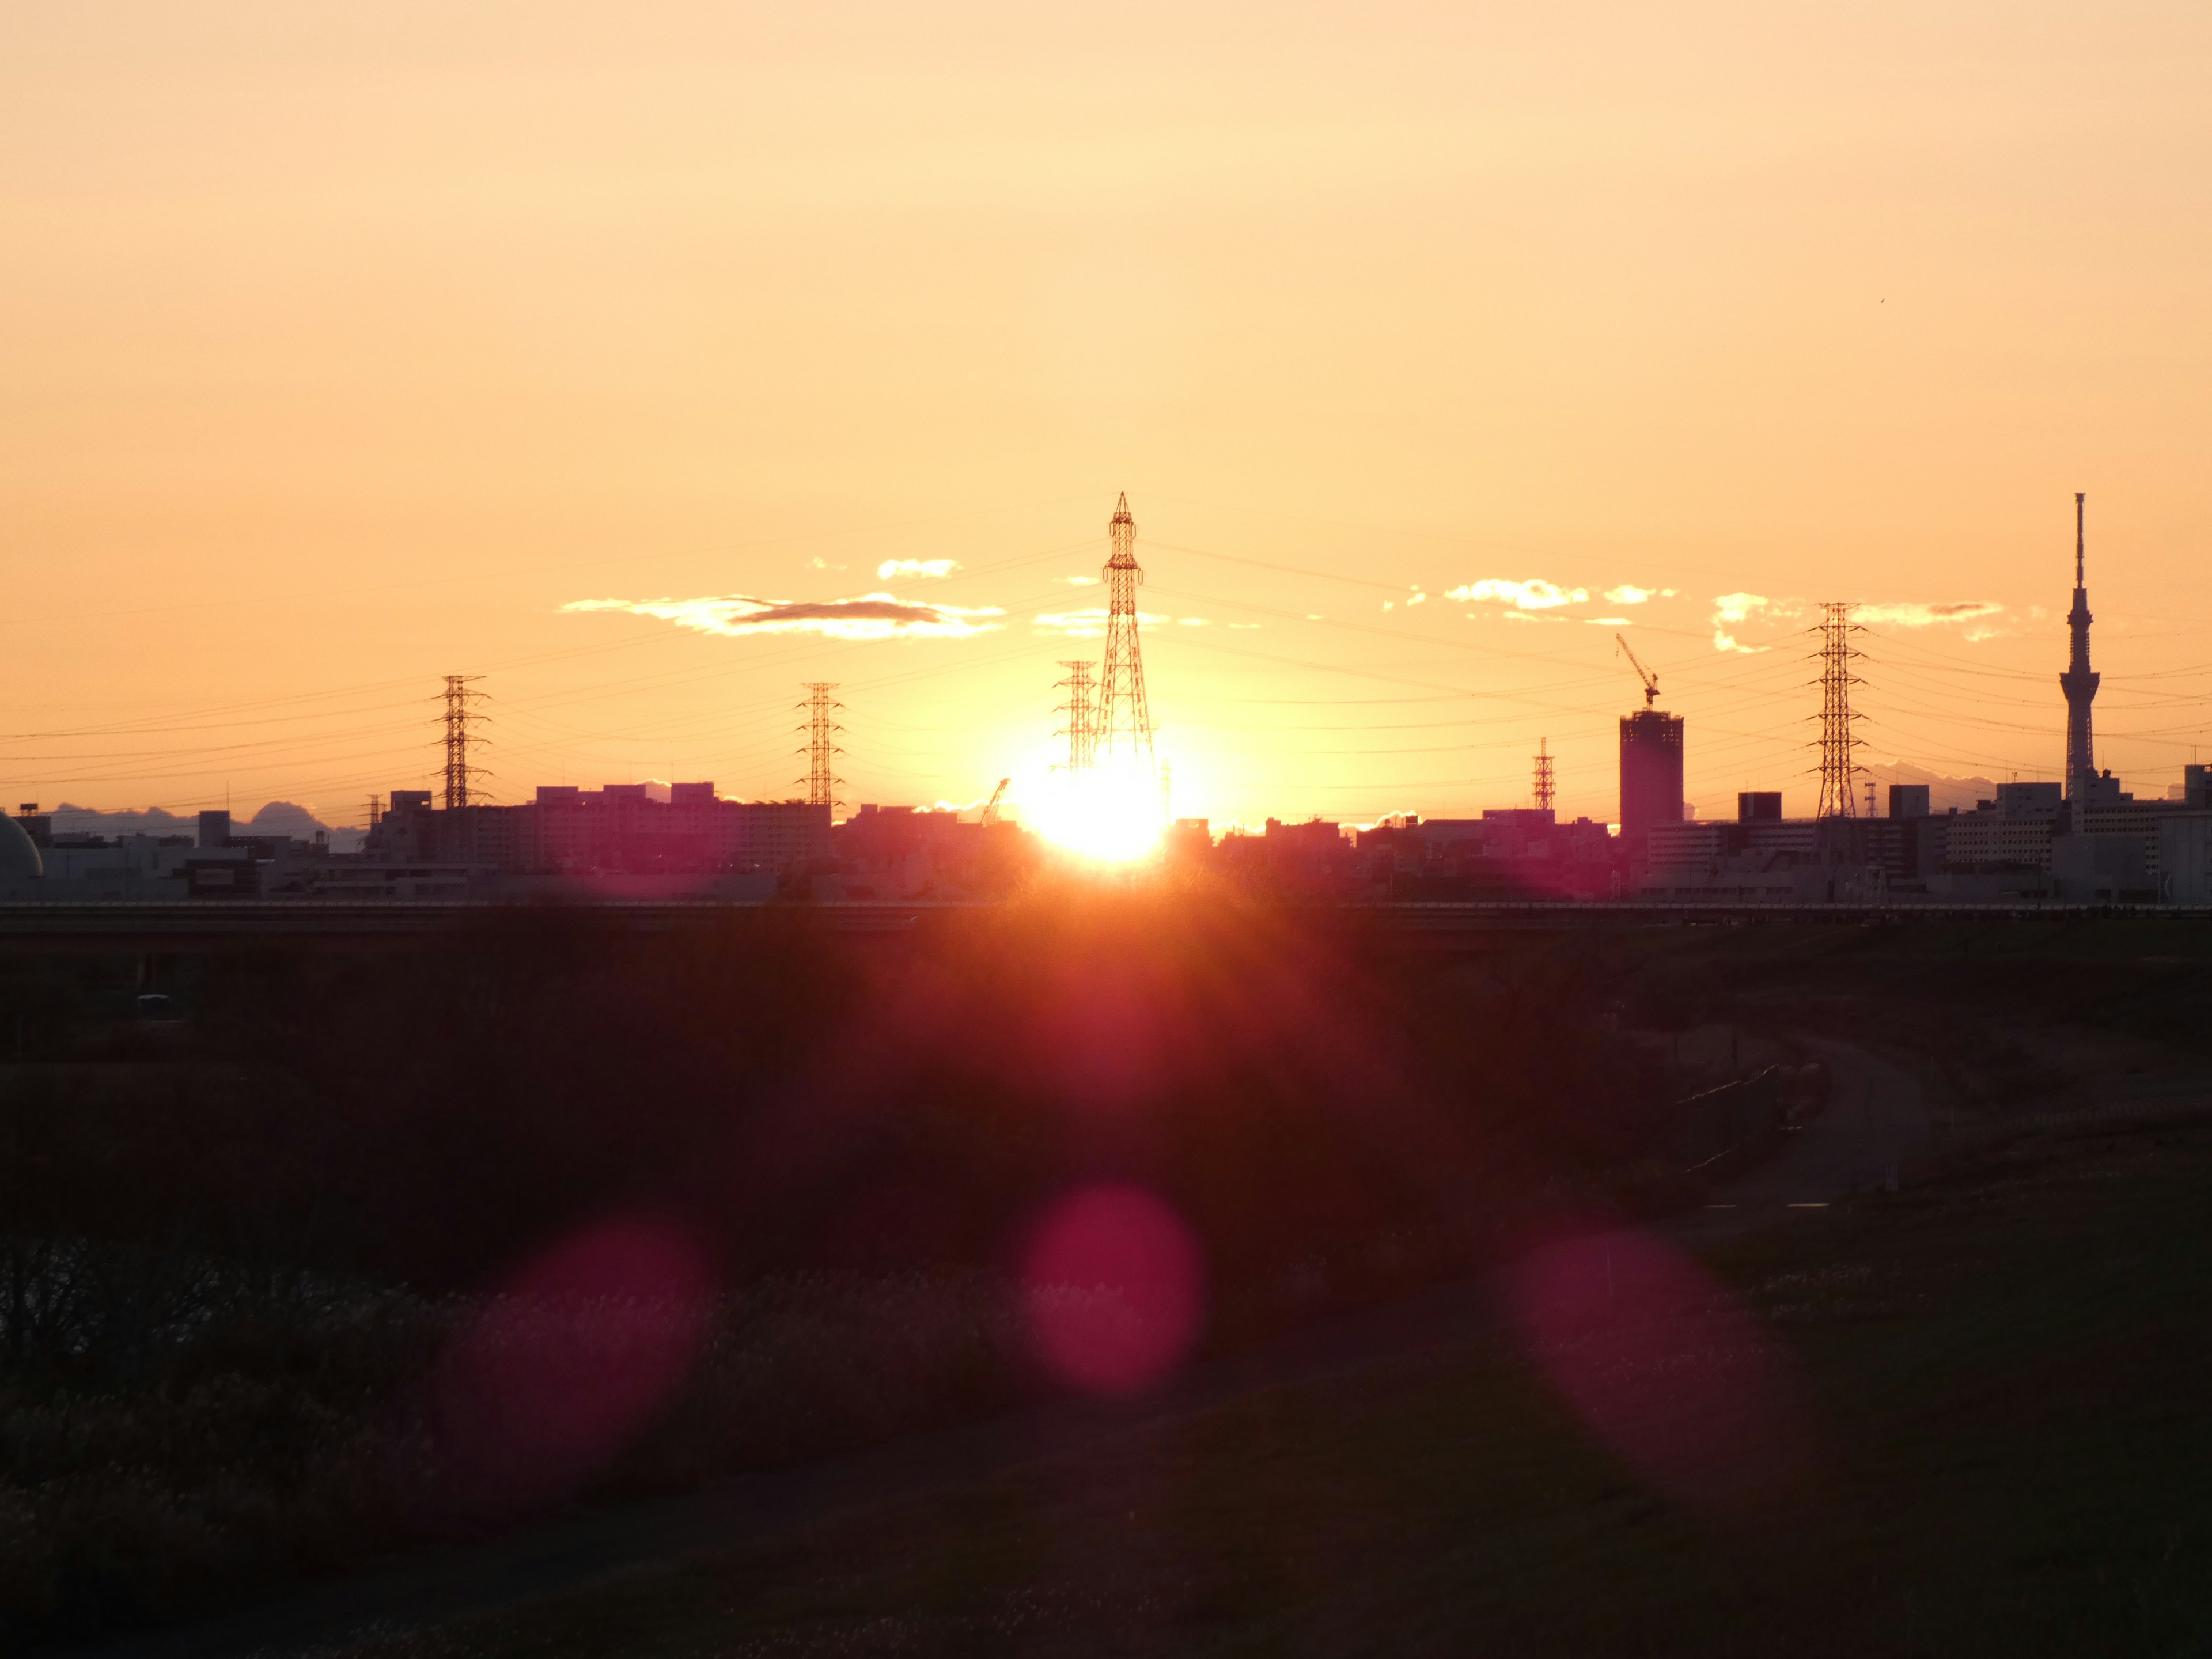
459,718
1082,728
1839,734
1124,718
822,749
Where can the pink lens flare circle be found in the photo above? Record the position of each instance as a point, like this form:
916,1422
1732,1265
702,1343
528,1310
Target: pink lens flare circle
580,1347
1662,1365
1114,1288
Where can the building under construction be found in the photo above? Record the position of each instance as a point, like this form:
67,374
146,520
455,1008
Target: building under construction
1650,765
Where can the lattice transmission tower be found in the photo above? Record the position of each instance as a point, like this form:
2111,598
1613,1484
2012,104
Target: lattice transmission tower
1839,724
1546,783
1082,728
822,749
460,718
1123,720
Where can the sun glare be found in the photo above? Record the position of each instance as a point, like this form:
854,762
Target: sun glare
1110,815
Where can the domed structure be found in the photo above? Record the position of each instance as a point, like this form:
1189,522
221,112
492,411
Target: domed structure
19,854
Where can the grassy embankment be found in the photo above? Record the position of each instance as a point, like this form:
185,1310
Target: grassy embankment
258,1249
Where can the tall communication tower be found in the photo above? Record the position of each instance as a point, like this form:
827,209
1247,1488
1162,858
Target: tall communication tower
1547,785
459,717
1839,738
822,749
1082,728
1124,719
2079,682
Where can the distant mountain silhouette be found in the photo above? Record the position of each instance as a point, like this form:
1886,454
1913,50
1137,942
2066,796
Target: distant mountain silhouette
1943,792
154,821
281,817
275,818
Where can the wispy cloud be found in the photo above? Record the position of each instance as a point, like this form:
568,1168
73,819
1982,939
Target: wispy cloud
871,617
1974,617
1087,624
1907,614
1533,594
891,569
1739,607
1610,622
1079,581
1629,593
1733,610
1247,628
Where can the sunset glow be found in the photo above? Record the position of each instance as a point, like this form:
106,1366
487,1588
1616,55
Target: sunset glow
648,361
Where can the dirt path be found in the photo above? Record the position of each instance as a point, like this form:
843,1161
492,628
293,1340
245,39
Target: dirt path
1874,1119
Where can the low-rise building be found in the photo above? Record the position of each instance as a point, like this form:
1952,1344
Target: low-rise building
1759,859
2185,856
630,829
1508,852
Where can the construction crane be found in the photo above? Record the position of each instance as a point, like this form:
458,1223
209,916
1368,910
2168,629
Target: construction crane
991,808
1650,680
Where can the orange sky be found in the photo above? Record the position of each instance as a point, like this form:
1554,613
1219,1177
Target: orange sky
343,346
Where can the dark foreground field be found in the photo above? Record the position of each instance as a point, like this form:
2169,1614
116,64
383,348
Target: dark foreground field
379,1266
378,1252
1992,1435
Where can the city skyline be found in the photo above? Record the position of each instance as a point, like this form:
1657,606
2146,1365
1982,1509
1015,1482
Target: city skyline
1773,629
1738,309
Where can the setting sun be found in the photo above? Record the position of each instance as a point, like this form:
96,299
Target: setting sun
1112,814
